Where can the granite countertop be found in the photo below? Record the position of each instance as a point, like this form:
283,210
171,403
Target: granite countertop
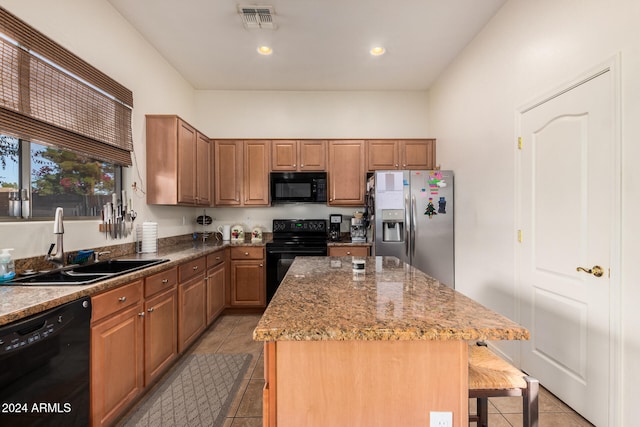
321,298
17,302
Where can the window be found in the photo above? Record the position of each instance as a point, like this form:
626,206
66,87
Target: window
65,127
54,178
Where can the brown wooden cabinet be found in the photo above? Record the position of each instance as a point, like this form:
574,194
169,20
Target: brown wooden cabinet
355,250
192,307
117,354
384,154
248,277
257,160
217,273
241,172
161,323
228,161
346,172
299,155
178,163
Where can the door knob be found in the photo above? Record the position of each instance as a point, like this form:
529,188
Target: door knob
596,270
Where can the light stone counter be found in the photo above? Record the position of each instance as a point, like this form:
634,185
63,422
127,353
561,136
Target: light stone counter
17,302
322,299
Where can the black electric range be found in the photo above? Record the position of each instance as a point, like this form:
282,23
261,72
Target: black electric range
292,238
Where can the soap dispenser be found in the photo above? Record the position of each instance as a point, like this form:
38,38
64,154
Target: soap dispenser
7,268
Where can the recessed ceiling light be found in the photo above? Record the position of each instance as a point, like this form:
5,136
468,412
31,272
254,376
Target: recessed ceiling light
265,50
377,51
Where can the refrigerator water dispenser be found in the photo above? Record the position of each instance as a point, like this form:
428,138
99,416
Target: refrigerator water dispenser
392,225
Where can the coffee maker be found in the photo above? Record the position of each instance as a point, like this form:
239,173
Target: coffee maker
335,220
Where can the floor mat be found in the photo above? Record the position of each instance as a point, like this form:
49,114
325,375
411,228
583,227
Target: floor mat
197,392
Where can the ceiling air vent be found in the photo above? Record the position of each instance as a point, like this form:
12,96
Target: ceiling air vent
257,16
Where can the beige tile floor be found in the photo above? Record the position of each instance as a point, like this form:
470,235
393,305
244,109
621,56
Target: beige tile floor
232,334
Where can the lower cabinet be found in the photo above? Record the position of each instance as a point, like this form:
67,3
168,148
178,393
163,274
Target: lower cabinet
139,329
248,277
355,250
117,353
160,324
192,306
217,273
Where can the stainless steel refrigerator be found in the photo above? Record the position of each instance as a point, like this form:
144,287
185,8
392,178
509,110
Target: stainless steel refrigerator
414,220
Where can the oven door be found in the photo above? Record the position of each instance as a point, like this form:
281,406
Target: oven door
279,259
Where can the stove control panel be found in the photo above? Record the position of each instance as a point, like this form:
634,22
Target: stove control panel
299,226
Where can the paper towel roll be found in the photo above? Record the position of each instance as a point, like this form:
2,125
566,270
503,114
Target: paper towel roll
148,237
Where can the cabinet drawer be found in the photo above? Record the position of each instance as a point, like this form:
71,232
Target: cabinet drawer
192,268
216,258
349,251
160,281
247,252
116,300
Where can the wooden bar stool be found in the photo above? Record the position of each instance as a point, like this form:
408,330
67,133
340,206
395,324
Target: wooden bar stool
492,376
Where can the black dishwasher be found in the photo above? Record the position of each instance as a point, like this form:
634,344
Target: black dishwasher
44,368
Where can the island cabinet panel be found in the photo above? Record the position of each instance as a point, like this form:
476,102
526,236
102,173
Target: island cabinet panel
192,306
117,354
346,172
365,383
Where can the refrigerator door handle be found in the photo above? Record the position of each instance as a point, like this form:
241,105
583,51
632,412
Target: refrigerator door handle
407,225
414,225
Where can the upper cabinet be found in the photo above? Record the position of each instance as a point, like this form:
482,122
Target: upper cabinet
178,163
299,155
241,172
412,154
347,172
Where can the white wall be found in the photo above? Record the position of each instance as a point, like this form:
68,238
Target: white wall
94,31
282,114
529,49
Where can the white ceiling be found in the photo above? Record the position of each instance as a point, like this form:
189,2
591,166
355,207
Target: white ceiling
318,44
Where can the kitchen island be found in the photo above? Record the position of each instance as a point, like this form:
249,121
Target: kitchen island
383,346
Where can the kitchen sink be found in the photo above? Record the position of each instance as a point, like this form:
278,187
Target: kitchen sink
86,274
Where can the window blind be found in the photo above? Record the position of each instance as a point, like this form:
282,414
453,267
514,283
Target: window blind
49,95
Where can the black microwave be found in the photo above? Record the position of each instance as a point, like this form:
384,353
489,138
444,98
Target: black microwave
298,187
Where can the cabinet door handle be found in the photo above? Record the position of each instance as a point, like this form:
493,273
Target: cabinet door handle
217,258
348,252
261,265
294,165
165,281
122,299
141,314
150,310
246,254
195,267
301,166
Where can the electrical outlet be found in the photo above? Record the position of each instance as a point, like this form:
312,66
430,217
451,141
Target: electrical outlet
440,419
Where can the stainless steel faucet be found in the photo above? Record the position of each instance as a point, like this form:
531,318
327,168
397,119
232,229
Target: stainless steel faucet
58,229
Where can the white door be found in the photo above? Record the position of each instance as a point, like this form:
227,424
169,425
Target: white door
567,197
